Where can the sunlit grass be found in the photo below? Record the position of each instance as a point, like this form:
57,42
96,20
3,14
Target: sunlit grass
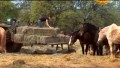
72,59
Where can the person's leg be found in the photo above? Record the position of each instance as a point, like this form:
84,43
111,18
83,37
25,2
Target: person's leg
40,24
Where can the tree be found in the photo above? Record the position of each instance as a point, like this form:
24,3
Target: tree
101,15
24,11
8,10
39,8
70,20
67,15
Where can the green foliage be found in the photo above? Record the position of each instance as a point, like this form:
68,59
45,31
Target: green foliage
70,20
8,10
67,15
39,8
24,11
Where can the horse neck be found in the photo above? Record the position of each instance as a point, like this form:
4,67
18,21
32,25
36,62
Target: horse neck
76,34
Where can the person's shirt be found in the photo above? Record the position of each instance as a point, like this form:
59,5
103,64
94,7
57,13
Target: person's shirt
42,19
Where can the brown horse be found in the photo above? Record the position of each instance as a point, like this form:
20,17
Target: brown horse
7,39
3,39
87,34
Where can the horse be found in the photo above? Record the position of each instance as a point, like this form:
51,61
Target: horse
110,34
102,40
6,35
87,34
3,39
113,36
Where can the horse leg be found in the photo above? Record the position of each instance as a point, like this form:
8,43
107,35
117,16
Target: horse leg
87,48
94,48
111,50
107,49
3,41
99,50
116,47
82,45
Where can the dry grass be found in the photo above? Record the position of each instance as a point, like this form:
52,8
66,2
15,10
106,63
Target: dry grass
70,60
73,60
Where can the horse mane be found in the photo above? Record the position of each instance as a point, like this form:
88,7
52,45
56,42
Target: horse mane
92,26
104,29
75,32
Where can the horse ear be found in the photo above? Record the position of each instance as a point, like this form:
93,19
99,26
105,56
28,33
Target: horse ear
71,33
99,28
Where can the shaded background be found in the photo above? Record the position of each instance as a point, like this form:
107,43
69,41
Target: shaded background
67,15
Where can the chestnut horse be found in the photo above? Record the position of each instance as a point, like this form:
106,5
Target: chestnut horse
87,34
3,39
6,36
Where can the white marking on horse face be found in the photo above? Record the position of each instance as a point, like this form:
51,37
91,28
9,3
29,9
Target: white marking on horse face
103,33
99,37
70,40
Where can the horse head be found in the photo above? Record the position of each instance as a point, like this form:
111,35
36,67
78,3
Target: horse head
73,37
102,35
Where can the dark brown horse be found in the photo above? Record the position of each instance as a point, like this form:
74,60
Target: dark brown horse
87,34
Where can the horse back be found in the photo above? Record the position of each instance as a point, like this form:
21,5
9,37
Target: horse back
113,34
89,32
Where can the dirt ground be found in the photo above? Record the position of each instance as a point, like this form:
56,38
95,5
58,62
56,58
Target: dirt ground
57,60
